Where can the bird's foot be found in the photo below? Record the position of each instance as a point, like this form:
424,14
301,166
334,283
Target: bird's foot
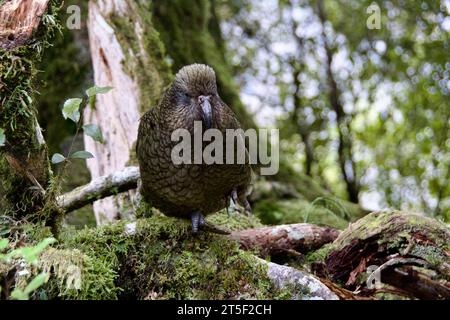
232,208
234,196
197,221
247,207
236,203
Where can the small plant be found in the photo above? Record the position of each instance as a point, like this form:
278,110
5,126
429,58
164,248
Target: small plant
72,110
23,258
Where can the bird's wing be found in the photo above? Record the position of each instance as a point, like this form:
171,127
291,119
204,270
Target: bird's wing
229,121
147,124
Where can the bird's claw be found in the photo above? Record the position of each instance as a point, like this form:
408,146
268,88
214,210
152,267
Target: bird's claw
236,204
247,207
198,222
234,196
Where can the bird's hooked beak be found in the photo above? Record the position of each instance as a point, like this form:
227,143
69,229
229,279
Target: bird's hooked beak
204,103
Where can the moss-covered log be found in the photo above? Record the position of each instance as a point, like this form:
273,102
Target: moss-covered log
158,258
390,251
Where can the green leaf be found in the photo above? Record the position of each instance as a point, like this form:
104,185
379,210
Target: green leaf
71,109
19,294
93,131
30,254
81,155
57,158
3,244
92,91
2,137
38,281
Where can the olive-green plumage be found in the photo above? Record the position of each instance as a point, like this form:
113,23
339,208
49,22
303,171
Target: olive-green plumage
188,190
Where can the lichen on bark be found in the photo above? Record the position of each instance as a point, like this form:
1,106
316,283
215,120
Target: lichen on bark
145,56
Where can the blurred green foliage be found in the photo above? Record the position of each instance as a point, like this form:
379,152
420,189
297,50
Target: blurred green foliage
393,83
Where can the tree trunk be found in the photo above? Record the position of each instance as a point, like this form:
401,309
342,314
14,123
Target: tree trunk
24,165
126,55
19,19
345,144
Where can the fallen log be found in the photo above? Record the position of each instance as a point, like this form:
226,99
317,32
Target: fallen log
400,252
278,240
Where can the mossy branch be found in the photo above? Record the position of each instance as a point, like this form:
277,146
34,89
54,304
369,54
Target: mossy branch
25,30
100,188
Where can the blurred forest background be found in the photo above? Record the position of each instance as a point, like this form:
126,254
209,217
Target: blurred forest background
364,111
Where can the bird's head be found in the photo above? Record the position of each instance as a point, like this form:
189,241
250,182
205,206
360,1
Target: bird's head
194,92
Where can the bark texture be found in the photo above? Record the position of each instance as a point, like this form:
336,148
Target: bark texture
19,19
404,253
24,165
283,239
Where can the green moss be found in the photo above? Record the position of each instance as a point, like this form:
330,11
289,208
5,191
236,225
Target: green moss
158,258
153,258
18,119
145,59
397,223
234,220
395,231
319,255
75,275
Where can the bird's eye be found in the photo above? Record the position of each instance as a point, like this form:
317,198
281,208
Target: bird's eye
184,98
